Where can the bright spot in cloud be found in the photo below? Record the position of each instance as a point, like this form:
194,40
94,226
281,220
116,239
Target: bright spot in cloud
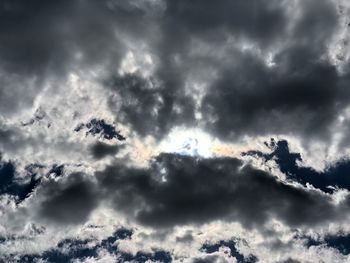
192,142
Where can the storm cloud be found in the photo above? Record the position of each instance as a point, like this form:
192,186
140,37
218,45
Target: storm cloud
180,190
245,95
151,115
68,201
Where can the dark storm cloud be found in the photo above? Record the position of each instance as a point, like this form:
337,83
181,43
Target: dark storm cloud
41,40
29,34
257,20
156,110
248,97
149,108
220,44
335,175
100,150
67,201
305,99
40,36
303,93
179,190
182,190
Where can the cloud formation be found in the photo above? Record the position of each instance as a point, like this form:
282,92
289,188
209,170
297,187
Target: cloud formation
151,115
185,190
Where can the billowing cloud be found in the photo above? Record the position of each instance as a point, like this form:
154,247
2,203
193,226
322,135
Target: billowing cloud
67,202
186,190
149,117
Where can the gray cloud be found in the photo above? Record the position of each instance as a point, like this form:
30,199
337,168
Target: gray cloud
210,259
150,109
43,41
272,101
67,201
100,150
245,97
257,20
195,190
231,68
40,36
302,94
178,190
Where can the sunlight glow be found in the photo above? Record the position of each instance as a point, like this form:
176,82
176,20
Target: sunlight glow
192,142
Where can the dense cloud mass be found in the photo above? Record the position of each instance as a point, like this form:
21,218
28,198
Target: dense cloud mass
149,108
174,131
68,202
185,190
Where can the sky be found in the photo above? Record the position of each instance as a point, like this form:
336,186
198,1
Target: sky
165,131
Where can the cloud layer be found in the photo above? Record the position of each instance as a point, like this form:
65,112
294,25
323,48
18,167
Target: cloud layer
141,131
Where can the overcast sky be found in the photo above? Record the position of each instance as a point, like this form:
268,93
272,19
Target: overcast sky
175,131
